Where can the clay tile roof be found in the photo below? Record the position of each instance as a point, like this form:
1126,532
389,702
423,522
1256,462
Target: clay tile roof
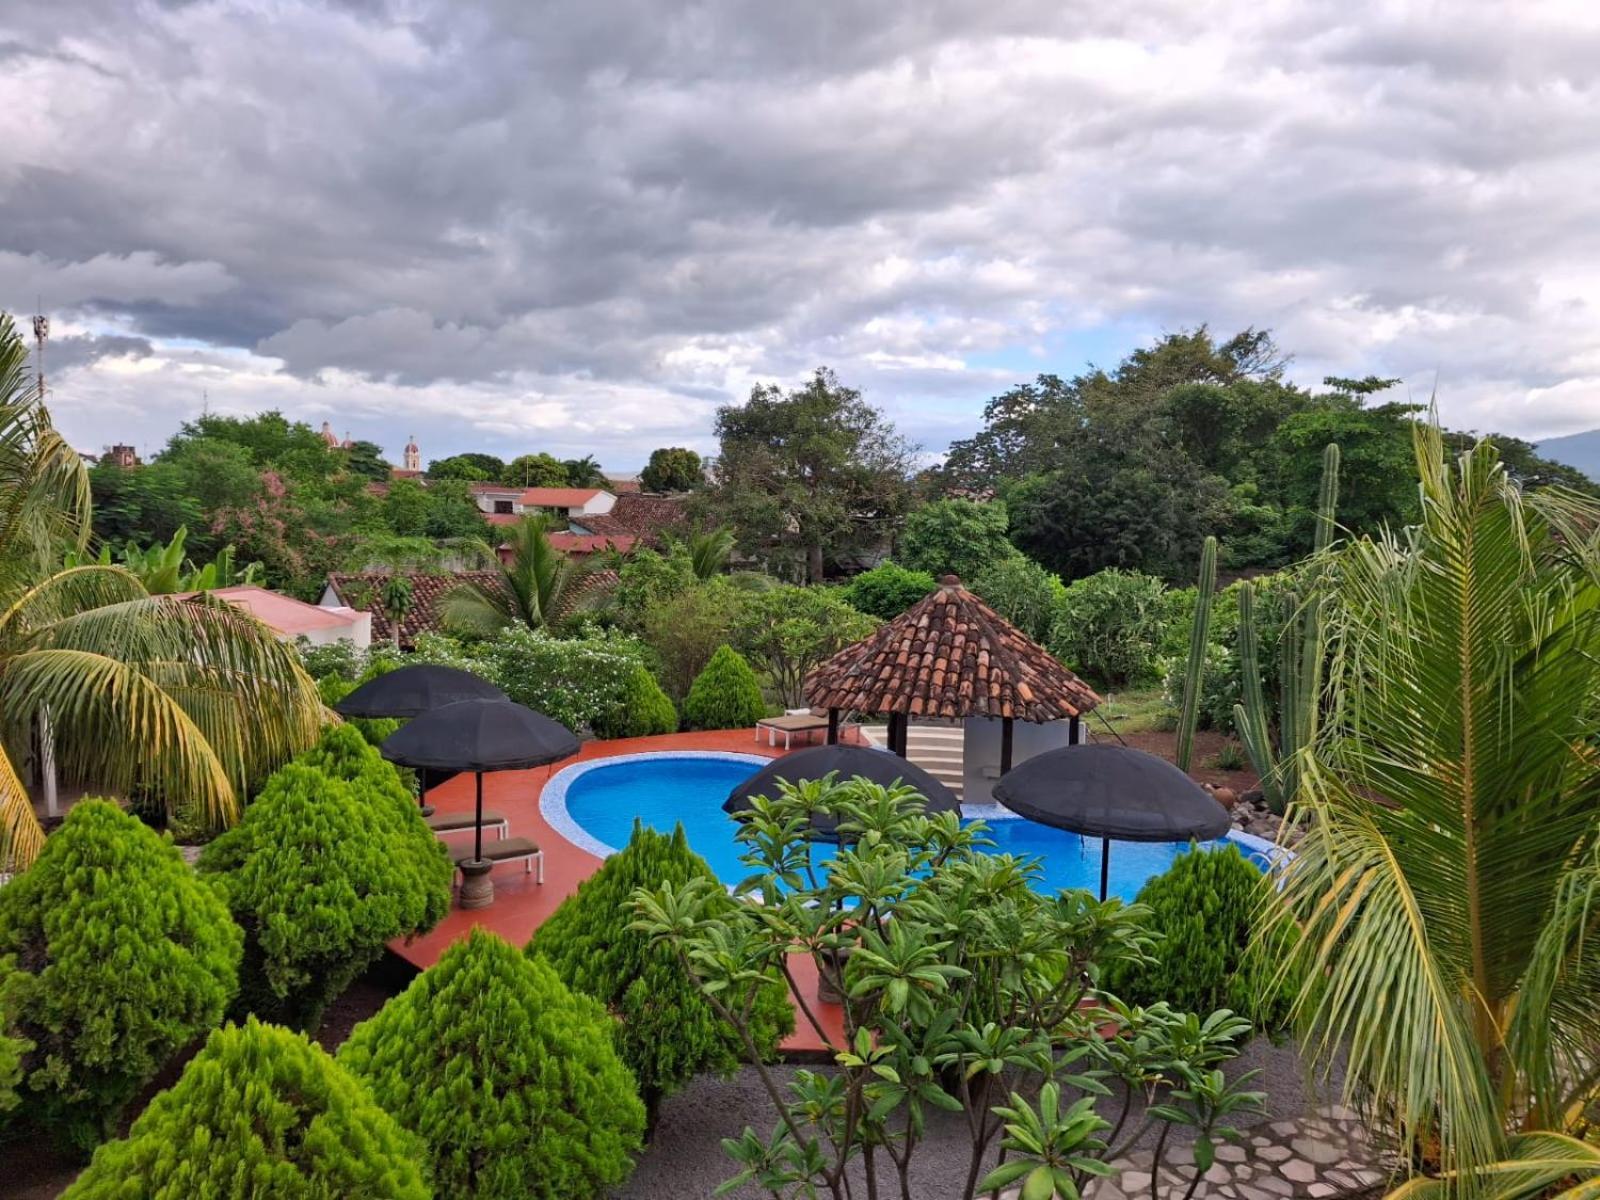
950,655
642,516
361,592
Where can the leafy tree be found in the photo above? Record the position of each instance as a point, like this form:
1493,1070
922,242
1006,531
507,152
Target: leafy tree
672,469
164,569
666,1031
1202,912
1109,626
451,512
270,439
218,474
966,987
956,537
802,474
397,598
508,1078
644,709
726,695
177,702
537,587
584,472
1377,469
888,589
260,1111
113,957
320,874
1022,592
535,470
152,502
789,630
648,578
706,550
366,460
684,629
472,467
1448,880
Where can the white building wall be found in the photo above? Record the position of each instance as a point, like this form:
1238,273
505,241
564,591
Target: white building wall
981,751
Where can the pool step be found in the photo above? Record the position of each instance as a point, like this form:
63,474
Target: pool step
937,749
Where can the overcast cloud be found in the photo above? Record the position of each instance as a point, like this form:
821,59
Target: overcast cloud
582,226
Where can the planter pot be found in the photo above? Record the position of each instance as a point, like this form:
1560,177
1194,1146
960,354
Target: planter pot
477,889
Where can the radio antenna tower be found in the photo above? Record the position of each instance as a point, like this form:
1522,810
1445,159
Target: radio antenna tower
41,331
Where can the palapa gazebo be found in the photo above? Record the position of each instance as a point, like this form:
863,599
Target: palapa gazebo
950,656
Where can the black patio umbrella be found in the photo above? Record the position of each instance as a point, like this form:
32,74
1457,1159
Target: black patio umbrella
412,691
1111,792
479,736
815,762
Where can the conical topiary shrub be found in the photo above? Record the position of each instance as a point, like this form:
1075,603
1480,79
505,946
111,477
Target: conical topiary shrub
509,1078
259,1112
320,874
345,753
642,710
666,1031
113,957
725,695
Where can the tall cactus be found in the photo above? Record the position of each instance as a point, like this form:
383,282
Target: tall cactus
1199,637
1301,648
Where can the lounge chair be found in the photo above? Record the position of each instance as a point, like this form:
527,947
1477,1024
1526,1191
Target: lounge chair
511,849
462,822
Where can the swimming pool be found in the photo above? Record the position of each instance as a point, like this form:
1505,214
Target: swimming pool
594,804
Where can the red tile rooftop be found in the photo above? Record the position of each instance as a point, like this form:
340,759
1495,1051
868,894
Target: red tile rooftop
521,905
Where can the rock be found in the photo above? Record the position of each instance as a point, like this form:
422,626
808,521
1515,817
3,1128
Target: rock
1135,1181
1231,1154
1274,1153
1322,1190
1271,1185
1225,796
1320,1152
1298,1170
1218,1173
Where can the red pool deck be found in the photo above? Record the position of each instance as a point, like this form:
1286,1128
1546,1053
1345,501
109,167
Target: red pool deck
521,905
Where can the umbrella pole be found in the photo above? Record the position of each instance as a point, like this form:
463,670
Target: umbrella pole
477,829
1105,865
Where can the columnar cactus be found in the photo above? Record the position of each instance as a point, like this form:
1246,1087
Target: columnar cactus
1199,635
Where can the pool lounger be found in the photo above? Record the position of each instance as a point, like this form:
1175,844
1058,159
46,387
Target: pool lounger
462,822
509,849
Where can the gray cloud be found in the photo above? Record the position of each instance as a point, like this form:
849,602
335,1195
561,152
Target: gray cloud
584,224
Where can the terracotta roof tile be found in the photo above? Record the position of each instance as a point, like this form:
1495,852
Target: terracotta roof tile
950,655
427,590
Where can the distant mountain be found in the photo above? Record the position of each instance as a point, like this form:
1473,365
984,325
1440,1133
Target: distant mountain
1580,450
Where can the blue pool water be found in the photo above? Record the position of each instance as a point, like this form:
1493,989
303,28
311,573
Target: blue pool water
603,800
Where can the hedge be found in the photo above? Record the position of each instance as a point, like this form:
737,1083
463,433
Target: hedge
114,956
508,1078
259,1112
726,695
320,874
666,1031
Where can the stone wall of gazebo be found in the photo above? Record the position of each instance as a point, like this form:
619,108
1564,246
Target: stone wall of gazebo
981,744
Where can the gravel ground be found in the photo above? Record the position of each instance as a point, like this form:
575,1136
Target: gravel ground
686,1159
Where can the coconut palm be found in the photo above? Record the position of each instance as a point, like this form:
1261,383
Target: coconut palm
537,585
1448,885
707,550
176,701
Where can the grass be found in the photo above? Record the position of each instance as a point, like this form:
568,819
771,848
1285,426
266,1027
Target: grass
1138,710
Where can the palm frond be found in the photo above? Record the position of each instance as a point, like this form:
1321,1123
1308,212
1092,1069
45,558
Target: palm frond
1549,1166
21,838
116,726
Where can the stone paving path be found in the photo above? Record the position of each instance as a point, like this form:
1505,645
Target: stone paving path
1322,1156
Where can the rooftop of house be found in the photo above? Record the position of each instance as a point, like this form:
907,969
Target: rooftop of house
642,515
541,497
284,614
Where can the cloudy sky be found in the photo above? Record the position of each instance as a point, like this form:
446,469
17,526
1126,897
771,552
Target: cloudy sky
582,226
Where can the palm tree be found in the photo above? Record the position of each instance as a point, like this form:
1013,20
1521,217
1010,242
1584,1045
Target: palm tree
1448,885
707,550
397,598
537,585
178,701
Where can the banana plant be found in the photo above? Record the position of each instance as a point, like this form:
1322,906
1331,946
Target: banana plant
1194,674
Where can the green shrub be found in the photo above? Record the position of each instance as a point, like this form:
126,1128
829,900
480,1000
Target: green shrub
320,874
1202,915
888,589
645,709
684,630
259,1112
666,1031
115,956
786,631
1109,626
334,688
726,695
509,1078
1022,592
577,681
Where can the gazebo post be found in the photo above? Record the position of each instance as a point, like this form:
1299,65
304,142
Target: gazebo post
1074,731
1007,733
833,727
1105,866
